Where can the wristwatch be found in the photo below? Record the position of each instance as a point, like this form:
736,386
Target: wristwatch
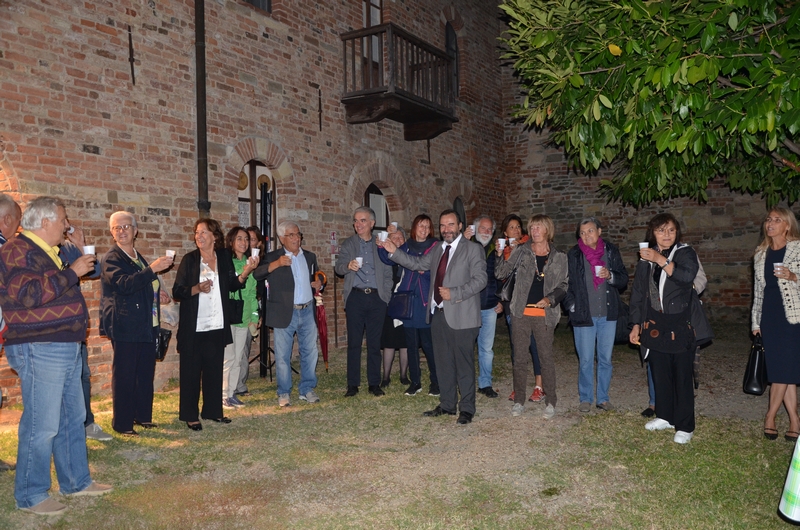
666,263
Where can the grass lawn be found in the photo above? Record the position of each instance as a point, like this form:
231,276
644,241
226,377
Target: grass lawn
367,462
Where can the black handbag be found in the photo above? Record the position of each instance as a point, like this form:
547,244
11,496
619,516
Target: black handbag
505,291
401,305
755,374
162,343
667,333
237,309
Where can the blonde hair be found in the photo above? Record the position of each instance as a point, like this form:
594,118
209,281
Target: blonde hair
546,222
788,216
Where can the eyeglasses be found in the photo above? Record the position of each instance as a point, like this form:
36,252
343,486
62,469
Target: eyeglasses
662,231
121,227
294,235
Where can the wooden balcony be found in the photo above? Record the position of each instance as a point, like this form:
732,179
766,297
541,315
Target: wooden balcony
391,74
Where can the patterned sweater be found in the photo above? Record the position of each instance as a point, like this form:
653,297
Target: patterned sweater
40,303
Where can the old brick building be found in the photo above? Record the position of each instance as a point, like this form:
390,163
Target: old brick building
99,106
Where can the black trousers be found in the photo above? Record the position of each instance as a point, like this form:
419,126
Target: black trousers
202,365
455,364
365,313
132,371
416,337
672,378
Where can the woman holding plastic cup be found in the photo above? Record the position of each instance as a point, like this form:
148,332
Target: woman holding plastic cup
238,242
776,315
130,311
596,277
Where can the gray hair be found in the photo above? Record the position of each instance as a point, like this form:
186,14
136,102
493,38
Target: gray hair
284,225
39,209
590,219
481,218
366,209
122,213
403,232
7,205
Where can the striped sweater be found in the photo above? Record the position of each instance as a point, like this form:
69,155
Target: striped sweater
40,302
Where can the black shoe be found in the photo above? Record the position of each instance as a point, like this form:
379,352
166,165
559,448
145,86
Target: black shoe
195,426
385,383
351,391
413,390
488,392
129,433
405,381
376,391
434,391
146,424
438,411
649,412
464,418
223,419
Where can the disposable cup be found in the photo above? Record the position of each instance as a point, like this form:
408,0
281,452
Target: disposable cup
597,269
360,261
254,252
511,240
777,265
472,227
170,253
88,249
394,224
644,245
501,244
383,235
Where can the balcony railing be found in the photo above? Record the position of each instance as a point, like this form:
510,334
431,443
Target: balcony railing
389,73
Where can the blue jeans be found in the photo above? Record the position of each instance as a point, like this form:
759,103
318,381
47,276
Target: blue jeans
306,328
485,343
52,420
601,333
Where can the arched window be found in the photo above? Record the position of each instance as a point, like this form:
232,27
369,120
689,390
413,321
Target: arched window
373,197
257,199
451,47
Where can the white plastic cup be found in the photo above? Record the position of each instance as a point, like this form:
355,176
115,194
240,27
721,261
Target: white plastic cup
511,240
254,252
394,224
501,244
472,227
383,235
777,266
88,249
171,254
360,261
71,230
644,245
597,269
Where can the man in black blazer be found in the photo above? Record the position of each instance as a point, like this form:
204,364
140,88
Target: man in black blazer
289,309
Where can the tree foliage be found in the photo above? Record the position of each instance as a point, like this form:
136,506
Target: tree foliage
670,93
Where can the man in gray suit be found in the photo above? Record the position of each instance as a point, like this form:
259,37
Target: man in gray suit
367,290
458,267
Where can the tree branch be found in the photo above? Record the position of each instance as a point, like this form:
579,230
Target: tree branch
791,146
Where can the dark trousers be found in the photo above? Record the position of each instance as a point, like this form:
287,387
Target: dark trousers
86,383
365,312
455,363
672,377
536,327
132,372
416,337
202,364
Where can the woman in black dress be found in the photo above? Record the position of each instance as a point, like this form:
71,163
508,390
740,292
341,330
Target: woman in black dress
393,336
776,315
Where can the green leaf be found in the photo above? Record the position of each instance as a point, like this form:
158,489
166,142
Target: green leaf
696,74
596,110
605,101
576,81
733,20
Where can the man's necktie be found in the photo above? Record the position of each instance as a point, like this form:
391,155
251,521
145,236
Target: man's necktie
440,275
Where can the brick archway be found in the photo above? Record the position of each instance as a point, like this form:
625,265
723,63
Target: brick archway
262,150
379,169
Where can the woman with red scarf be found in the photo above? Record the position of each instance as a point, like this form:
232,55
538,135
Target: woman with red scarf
596,277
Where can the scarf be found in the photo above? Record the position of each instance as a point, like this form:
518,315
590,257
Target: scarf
507,250
594,257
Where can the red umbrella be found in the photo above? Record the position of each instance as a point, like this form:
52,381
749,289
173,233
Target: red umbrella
322,320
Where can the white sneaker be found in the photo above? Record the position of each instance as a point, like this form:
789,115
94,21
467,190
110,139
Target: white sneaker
283,400
549,411
517,409
683,437
95,432
658,425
